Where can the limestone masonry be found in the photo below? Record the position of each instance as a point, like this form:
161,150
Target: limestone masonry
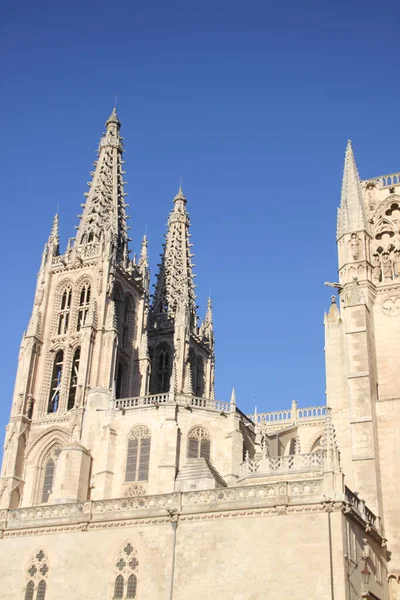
123,476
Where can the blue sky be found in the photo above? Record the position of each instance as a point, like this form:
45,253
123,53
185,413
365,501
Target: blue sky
252,104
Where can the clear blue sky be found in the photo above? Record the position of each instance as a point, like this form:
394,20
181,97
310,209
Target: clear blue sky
252,104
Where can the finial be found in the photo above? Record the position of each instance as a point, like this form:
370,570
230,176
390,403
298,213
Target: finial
180,195
333,299
113,118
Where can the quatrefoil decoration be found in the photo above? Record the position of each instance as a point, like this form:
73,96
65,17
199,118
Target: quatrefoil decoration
391,306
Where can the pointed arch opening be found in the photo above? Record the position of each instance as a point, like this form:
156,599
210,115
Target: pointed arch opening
56,381
37,577
199,443
64,312
48,473
125,577
161,369
84,304
138,454
73,384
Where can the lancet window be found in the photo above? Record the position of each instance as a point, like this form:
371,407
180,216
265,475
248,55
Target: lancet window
56,380
162,367
199,443
197,369
49,469
138,455
84,303
127,325
65,307
73,385
37,574
125,574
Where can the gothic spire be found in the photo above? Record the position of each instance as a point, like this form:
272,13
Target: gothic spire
175,285
104,211
351,214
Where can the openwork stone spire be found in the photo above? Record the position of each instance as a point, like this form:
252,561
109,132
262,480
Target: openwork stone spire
104,211
351,214
175,286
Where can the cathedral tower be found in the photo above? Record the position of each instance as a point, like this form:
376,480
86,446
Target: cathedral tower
363,344
182,353
86,326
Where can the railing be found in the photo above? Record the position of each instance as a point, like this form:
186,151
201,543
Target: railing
309,414
171,398
289,416
274,464
363,510
385,180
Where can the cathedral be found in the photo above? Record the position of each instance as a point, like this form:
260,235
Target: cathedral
124,477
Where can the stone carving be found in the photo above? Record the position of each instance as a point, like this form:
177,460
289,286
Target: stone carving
396,263
376,269
133,491
355,246
387,267
391,306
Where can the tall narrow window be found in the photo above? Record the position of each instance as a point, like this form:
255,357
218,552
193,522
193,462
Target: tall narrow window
48,476
120,380
199,389
128,323
125,573
37,573
63,318
119,587
41,591
199,444
84,303
138,456
56,379
73,386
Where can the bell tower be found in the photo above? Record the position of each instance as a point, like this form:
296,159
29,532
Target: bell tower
86,333
182,352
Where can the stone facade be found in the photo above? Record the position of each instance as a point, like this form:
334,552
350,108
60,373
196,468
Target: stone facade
124,477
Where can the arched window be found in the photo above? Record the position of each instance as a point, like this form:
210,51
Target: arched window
29,591
199,389
49,471
84,302
161,371
37,573
63,316
41,591
199,444
119,587
138,456
128,322
56,379
120,380
125,573
316,445
73,386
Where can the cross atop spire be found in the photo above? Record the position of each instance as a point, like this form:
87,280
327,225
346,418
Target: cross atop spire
104,211
351,214
175,285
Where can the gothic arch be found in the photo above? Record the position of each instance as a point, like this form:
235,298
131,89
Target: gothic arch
124,582
65,284
313,440
36,576
58,434
137,453
199,443
161,370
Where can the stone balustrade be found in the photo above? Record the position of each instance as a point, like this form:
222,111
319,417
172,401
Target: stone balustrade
171,398
385,180
311,413
273,465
